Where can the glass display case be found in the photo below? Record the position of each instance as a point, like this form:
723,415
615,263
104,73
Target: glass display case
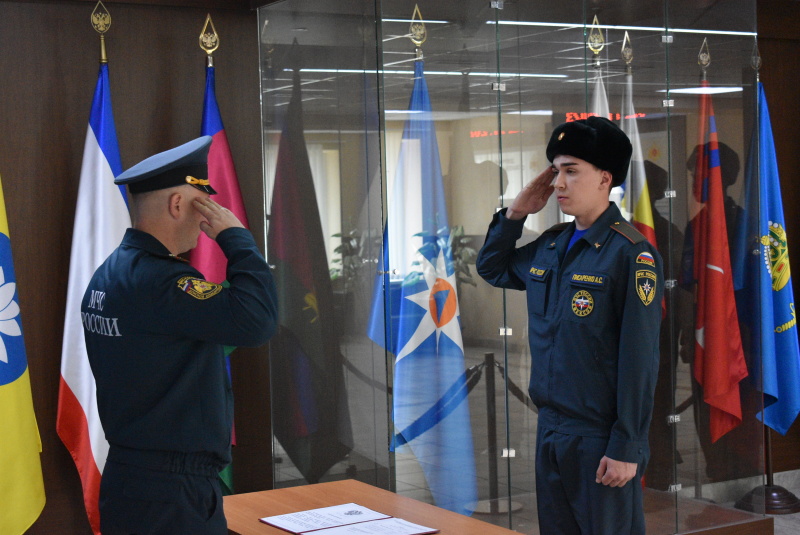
393,131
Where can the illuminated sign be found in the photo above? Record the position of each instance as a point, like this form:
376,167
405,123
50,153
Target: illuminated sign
490,133
574,116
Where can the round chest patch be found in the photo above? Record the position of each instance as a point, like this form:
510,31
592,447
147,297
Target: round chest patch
582,303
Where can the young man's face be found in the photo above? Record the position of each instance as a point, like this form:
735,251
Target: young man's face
581,189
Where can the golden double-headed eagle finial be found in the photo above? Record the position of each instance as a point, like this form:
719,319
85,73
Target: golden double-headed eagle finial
209,39
416,31
101,22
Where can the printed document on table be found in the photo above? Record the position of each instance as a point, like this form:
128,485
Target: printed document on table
387,526
325,517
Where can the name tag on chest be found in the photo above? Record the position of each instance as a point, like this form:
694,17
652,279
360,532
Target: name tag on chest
589,280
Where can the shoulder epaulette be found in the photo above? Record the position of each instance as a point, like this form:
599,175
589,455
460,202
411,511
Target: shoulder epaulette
629,231
558,227
171,257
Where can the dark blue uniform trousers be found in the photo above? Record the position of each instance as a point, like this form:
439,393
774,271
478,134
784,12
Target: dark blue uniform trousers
568,499
141,501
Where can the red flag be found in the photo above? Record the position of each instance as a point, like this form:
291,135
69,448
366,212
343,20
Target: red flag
719,362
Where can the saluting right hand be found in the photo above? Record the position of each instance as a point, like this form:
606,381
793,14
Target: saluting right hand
533,197
218,218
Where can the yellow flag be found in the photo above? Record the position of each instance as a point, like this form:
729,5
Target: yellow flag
21,484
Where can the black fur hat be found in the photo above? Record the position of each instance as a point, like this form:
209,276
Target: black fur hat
596,140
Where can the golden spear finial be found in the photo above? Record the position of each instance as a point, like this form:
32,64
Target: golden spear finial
209,40
596,42
755,59
627,52
416,31
101,22
704,57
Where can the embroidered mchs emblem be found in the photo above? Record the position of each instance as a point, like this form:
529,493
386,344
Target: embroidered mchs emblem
582,303
776,255
646,285
199,288
646,258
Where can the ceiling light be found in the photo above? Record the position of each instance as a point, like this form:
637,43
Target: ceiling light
703,90
661,29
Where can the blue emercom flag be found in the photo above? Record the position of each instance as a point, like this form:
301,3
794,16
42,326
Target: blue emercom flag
430,410
762,273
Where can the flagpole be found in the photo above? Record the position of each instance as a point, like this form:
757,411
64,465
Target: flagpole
770,498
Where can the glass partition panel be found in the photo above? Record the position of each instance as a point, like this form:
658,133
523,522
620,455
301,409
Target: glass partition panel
542,72
391,137
562,79
323,172
444,181
719,445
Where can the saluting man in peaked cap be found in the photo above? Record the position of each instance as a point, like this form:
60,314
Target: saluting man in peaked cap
155,331
594,288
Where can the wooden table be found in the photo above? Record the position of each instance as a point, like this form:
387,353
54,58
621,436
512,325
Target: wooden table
244,510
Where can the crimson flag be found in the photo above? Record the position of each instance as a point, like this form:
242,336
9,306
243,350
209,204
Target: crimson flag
719,363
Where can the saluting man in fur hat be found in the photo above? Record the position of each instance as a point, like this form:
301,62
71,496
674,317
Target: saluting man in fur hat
594,290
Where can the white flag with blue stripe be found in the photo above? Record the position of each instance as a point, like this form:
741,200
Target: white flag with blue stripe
101,218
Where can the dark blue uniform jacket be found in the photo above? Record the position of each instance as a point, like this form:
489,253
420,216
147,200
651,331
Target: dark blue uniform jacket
594,314
155,331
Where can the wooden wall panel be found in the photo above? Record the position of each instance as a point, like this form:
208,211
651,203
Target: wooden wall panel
48,70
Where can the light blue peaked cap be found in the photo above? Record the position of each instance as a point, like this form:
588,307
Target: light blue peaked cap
186,164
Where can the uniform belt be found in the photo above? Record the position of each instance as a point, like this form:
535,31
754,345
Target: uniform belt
555,420
198,463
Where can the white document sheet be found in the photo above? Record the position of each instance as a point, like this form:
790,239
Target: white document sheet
325,517
387,526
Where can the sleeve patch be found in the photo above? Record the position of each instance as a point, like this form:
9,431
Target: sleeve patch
646,258
199,288
646,285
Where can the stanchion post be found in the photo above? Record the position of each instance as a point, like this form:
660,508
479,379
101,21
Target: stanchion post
491,428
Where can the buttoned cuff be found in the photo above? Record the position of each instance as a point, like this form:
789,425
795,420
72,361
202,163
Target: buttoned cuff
629,451
506,223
